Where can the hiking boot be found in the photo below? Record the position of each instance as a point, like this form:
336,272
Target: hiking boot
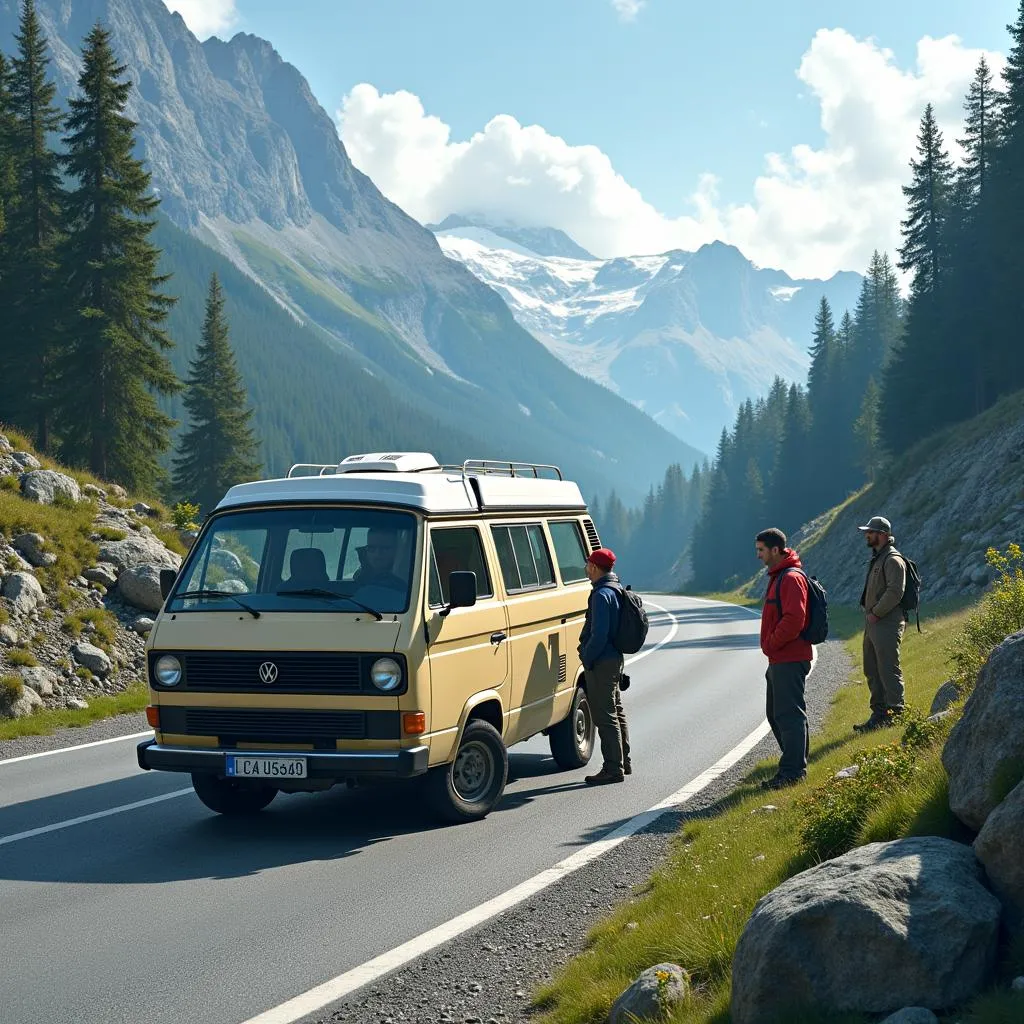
605,776
627,768
781,781
873,723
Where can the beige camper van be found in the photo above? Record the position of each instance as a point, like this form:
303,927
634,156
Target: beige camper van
385,617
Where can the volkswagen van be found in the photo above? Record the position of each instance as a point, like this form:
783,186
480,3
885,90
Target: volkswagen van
382,618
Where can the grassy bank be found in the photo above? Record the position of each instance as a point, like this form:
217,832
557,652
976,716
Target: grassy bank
693,910
48,720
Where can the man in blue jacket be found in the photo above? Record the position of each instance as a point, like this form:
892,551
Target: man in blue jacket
602,665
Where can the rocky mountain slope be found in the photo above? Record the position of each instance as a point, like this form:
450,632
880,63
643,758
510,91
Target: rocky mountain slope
687,337
244,158
949,499
79,576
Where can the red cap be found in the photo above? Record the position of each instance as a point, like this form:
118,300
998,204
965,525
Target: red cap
603,558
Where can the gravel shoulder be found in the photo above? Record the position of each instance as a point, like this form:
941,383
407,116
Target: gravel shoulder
104,729
489,974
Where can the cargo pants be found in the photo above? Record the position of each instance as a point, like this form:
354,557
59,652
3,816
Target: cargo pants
882,641
786,711
606,706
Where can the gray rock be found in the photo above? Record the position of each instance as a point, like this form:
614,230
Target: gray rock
5,445
981,575
77,703
103,574
642,1000
227,560
912,1015
92,491
939,715
22,589
143,625
46,485
946,696
233,586
999,847
142,509
92,658
985,747
848,773
39,679
188,537
8,636
138,550
25,461
30,546
140,587
26,704
888,925
117,491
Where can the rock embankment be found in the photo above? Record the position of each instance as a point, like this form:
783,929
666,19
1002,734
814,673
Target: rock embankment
67,639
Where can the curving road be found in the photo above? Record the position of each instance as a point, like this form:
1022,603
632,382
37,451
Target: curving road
164,913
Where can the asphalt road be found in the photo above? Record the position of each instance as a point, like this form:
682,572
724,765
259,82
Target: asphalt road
165,912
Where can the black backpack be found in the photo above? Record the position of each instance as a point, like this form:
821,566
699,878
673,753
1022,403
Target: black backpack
911,599
633,625
816,630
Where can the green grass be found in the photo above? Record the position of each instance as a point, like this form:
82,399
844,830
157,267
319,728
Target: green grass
44,722
105,626
11,688
20,657
695,907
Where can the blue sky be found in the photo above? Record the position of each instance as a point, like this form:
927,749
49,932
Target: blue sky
675,94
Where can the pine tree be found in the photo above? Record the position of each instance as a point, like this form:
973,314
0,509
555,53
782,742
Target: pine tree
793,501
8,149
865,430
32,236
924,250
219,449
113,365
822,354
980,133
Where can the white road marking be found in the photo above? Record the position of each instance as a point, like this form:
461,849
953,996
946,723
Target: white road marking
58,825
81,746
373,970
661,643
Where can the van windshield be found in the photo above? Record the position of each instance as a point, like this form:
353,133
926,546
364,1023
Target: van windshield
301,559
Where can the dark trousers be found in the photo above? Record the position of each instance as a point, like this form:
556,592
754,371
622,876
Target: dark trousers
609,717
882,641
787,714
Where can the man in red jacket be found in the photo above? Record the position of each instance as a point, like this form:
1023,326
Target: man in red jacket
784,616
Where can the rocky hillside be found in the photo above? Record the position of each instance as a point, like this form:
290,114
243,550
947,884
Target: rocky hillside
79,576
245,158
949,499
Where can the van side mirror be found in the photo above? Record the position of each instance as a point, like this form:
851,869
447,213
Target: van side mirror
167,578
461,590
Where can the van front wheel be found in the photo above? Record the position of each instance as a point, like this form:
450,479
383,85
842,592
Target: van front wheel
226,796
469,788
572,740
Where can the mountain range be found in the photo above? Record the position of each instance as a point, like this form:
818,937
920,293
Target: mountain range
248,163
685,336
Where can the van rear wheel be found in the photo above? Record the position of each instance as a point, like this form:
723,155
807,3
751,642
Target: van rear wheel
227,796
572,740
470,787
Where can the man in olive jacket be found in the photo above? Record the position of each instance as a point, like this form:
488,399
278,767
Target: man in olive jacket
883,625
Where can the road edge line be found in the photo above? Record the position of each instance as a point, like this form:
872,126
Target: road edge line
80,746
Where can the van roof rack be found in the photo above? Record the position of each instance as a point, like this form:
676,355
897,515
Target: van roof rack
421,463
498,467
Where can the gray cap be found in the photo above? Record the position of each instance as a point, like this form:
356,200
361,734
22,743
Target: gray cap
877,523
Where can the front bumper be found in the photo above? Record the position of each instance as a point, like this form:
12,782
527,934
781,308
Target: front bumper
398,764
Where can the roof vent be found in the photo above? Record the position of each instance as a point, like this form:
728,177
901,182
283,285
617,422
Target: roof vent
389,462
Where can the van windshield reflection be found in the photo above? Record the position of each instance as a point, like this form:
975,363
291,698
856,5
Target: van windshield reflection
279,559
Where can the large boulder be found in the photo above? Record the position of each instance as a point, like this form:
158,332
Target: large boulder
140,587
39,679
22,589
138,549
656,991
46,486
945,697
103,574
888,925
30,546
92,658
1000,848
984,754
25,704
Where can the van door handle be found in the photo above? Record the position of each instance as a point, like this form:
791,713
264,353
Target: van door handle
496,638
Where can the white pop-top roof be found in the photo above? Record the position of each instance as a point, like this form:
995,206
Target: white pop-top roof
415,480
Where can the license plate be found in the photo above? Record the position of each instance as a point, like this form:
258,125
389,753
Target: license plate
266,767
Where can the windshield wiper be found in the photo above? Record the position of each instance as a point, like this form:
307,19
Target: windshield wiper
219,593
323,592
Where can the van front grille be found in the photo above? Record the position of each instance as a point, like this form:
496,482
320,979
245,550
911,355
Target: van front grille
294,672
279,726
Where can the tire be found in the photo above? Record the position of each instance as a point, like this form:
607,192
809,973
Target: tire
226,796
572,740
470,787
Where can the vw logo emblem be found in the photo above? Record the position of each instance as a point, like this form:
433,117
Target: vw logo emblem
268,673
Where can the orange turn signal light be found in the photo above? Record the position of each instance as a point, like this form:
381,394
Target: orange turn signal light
414,723
153,716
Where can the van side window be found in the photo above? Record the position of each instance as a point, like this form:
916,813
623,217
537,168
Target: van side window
569,551
456,549
523,556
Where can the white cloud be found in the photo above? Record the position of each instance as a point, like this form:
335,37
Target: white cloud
206,17
628,9
812,210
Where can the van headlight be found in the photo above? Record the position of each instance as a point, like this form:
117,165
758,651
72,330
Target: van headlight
386,674
167,670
